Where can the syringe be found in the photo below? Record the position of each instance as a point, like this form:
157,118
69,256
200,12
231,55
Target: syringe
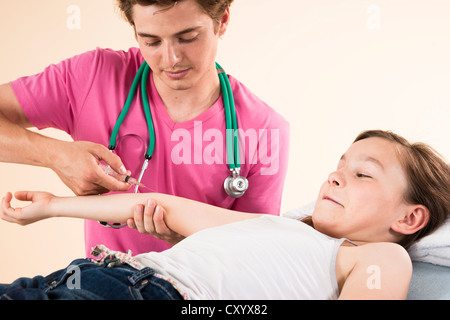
121,177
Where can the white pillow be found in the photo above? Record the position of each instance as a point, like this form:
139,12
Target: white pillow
301,212
434,248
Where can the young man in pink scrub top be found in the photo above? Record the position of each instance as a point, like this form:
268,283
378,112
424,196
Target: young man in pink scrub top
84,96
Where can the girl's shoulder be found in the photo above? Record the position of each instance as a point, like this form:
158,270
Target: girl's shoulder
375,270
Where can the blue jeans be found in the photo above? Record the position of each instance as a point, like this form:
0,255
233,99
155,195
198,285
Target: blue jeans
84,280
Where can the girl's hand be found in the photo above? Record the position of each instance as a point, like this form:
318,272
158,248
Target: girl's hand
38,210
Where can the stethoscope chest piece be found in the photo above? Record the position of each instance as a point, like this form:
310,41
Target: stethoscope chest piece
235,185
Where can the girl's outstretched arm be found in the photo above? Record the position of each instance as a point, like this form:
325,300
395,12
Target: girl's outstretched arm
182,215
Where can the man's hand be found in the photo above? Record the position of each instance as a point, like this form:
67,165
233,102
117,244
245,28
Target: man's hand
149,219
77,165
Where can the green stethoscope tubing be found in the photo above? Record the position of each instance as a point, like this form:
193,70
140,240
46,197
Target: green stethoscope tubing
141,77
234,185
230,119
230,114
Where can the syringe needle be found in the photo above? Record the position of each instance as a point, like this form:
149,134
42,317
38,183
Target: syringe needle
121,177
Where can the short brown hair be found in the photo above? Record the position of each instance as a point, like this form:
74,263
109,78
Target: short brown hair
214,8
428,177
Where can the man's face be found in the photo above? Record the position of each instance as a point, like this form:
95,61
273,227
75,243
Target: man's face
179,44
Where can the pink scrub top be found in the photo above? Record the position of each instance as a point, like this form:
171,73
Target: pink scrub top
84,96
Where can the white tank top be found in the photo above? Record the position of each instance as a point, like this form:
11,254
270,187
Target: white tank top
268,257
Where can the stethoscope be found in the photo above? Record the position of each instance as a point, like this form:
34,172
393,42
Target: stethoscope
235,185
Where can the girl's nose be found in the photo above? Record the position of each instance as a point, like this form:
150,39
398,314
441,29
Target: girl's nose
337,179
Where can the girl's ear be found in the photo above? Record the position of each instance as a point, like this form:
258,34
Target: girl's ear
414,220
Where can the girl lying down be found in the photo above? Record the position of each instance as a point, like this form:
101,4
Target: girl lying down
384,195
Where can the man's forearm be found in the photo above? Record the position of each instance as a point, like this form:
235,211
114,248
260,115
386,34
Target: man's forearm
17,144
22,146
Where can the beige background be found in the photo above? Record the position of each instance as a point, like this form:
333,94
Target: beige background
332,68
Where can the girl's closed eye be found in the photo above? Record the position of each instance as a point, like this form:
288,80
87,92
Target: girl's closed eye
363,175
